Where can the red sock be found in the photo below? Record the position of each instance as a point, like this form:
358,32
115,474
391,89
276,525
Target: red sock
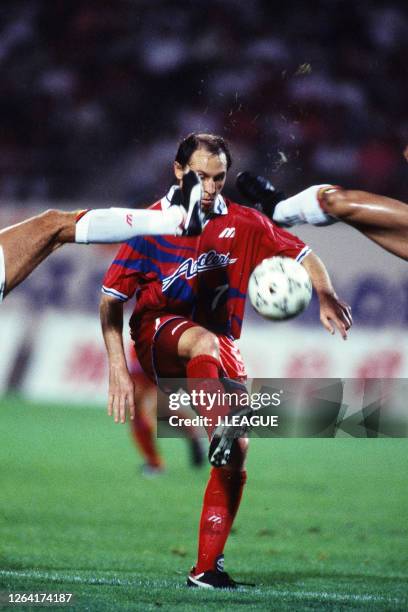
203,366
207,369
80,214
143,435
221,502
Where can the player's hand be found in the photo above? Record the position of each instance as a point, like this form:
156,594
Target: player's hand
121,396
335,313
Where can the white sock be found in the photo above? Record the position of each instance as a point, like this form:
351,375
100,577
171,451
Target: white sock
301,208
119,224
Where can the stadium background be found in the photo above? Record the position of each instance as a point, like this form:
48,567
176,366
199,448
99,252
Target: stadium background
95,96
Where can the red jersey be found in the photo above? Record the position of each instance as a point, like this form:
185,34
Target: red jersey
204,278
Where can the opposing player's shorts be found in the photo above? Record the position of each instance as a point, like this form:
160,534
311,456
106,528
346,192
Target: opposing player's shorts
2,274
156,343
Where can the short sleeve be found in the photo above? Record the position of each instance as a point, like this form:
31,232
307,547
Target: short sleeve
277,241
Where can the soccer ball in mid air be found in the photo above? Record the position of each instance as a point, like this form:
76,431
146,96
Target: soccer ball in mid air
279,288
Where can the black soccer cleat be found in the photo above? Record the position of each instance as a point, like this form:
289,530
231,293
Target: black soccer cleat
211,580
214,579
225,435
191,192
260,192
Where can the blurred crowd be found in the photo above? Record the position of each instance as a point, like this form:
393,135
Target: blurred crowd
96,93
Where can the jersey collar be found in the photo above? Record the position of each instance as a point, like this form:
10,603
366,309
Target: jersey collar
173,197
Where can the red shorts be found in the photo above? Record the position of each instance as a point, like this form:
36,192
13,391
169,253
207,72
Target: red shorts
156,342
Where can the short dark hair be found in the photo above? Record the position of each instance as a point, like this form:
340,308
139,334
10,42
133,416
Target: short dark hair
212,143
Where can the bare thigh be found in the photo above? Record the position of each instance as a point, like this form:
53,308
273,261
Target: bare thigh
393,240
383,220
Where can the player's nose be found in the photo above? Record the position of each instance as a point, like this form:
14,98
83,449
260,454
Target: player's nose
209,186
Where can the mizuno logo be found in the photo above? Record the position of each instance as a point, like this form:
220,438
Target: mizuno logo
215,518
228,232
191,267
129,219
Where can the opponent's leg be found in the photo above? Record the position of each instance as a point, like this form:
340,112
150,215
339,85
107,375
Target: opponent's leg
27,244
382,219
182,217
105,225
143,427
143,433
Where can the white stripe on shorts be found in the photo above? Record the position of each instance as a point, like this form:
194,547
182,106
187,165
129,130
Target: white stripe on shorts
2,273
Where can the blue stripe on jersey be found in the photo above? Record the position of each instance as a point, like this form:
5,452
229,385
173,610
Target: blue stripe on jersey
141,265
163,242
180,290
136,243
238,319
149,249
303,253
235,293
163,257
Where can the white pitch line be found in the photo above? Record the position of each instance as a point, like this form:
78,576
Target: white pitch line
76,579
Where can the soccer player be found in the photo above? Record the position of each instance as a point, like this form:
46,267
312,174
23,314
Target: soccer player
143,427
190,305
25,245
382,219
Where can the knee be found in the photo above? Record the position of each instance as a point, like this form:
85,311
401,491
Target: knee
336,202
51,216
206,343
52,220
59,223
331,200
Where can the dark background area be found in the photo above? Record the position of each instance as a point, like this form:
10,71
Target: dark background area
95,94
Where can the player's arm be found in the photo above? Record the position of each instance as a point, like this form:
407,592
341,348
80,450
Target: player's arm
277,241
121,387
333,311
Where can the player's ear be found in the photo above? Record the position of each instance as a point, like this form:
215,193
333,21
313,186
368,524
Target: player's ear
178,170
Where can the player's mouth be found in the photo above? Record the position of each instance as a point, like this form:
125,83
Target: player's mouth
207,206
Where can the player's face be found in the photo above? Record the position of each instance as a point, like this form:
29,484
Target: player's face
212,170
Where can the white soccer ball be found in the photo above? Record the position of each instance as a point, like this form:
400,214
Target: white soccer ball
279,288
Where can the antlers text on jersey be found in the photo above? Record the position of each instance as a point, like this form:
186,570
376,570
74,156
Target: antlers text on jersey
210,260
204,277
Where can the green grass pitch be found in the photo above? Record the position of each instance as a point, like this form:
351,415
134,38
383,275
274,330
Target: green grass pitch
323,523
